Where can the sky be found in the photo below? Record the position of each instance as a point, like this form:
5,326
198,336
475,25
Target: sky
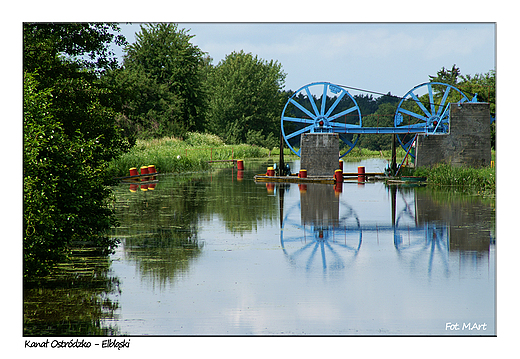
377,57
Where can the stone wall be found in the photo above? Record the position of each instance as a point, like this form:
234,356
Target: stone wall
319,153
468,143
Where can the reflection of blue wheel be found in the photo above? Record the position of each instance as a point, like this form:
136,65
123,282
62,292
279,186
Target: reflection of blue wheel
327,247
425,246
320,107
426,105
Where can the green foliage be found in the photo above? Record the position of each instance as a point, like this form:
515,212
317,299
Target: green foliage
69,135
446,76
161,83
479,181
246,99
383,117
65,200
200,139
484,85
55,49
170,155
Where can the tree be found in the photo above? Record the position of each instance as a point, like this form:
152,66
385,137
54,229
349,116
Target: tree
446,76
69,59
162,81
383,117
484,85
69,136
246,99
481,84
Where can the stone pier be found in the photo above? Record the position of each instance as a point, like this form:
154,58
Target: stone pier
468,143
319,154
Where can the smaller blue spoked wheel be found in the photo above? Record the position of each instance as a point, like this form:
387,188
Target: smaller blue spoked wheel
426,105
320,107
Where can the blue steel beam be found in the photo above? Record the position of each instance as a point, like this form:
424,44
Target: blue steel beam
420,129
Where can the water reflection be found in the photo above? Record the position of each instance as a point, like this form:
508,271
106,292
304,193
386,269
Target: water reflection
79,298
328,233
217,253
321,237
159,228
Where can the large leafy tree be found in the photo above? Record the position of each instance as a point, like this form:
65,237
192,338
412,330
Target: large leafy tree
484,85
481,84
246,99
69,135
162,82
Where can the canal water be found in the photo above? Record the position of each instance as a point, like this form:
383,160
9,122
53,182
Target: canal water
217,254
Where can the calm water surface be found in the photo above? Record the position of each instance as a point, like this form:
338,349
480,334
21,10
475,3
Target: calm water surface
218,254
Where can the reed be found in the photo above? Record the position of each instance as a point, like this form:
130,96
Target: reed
478,181
172,155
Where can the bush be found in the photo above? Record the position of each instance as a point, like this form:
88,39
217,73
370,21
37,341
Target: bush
65,197
206,139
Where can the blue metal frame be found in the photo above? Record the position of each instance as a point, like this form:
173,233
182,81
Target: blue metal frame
434,120
324,119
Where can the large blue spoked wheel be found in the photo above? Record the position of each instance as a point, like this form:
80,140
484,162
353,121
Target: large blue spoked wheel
320,107
426,105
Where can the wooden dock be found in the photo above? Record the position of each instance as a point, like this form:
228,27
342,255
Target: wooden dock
293,179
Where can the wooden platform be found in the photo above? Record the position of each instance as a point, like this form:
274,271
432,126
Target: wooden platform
293,179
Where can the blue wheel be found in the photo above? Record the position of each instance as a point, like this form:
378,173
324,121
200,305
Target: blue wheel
426,105
320,107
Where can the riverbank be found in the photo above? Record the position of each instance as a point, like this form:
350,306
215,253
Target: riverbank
474,181
172,155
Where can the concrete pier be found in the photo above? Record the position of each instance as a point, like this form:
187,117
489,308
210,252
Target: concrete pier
319,153
468,143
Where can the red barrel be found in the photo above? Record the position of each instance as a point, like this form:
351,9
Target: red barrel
361,174
240,164
270,171
151,170
302,174
144,171
133,171
338,176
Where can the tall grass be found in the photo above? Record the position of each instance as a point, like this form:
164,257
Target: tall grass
172,155
479,181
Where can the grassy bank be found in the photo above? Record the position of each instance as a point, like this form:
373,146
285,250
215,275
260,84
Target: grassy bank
476,181
172,155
